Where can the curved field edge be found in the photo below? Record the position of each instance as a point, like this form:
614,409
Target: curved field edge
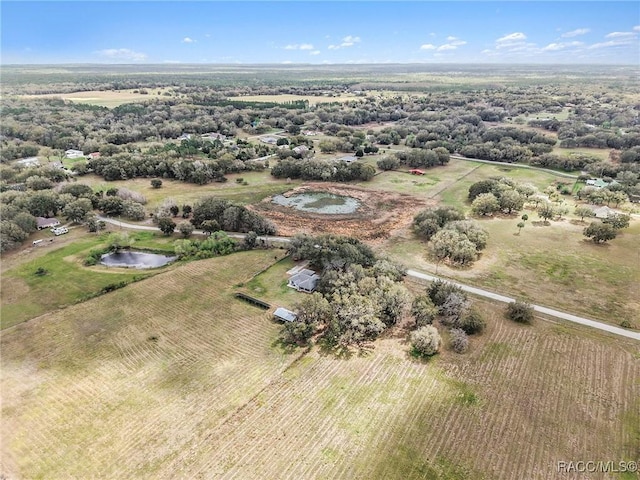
175,377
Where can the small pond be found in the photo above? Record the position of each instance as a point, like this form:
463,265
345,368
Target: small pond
135,260
319,202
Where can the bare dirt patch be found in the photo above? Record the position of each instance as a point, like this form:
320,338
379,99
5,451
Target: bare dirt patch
379,216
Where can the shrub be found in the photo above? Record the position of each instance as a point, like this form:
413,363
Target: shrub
440,290
423,310
156,183
472,322
459,340
520,312
426,341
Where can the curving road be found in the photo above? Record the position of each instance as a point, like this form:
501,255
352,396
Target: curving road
547,311
515,165
425,276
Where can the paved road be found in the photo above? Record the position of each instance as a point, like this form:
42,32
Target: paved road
132,226
548,311
515,165
425,276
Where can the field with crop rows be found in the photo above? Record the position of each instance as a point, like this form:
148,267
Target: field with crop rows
174,377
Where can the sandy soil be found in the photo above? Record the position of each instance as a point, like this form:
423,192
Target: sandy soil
380,216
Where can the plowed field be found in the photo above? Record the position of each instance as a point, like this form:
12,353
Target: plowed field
173,377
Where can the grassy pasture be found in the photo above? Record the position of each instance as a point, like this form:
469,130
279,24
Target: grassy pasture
189,384
260,185
105,98
597,281
26,295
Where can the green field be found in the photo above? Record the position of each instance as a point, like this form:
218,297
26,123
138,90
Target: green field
26,295
259,185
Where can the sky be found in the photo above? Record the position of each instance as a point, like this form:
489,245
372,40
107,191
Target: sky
334,32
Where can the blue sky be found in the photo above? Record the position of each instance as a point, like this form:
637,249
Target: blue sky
320,32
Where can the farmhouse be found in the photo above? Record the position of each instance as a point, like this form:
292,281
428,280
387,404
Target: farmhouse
600,183
213,136
269,140
284,315
184,136
94,155
71,153
304,281
348,159
43,223
604,211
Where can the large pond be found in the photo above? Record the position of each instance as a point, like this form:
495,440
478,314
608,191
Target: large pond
319,202
135,260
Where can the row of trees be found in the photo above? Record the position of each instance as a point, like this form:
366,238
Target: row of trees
323,170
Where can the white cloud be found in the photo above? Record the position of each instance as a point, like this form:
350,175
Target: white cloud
315,52
554,47
295,46
188,40
620,35
576,32
122,54
636,28
451,39
512,37
611,43
446,46
348,41
427,46
287,62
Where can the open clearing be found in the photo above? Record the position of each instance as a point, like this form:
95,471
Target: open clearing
105,98
260,185
173,376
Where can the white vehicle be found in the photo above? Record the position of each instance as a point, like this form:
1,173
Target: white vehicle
60,230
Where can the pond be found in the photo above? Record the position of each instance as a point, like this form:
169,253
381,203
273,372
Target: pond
319,202
135,260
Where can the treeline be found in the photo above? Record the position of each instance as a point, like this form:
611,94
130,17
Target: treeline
415,158
212,214
323,170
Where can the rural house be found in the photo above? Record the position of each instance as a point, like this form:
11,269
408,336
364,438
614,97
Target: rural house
348,159
71,153
43,222
304,281
604,212
284,315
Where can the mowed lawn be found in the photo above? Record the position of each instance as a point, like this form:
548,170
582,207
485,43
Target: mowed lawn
174,377
259,185
26,295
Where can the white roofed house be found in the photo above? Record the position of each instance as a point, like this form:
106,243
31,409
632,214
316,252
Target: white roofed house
304,281
72,153
43,222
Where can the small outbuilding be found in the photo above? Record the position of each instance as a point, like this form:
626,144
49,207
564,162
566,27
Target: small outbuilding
283,315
